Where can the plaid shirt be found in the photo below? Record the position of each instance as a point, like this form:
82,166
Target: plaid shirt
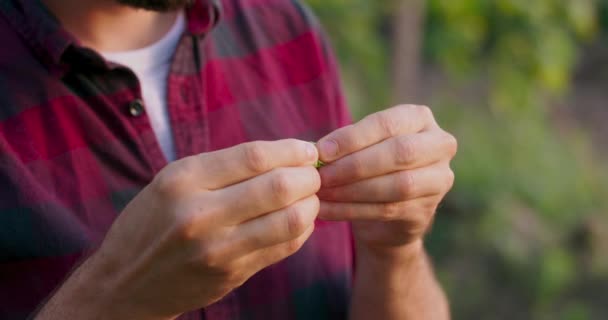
76,145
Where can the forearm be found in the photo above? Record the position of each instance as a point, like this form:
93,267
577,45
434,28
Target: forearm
74,299
88,293
401,287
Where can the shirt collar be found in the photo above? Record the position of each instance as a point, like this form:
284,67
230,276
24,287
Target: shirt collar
50,41
203,15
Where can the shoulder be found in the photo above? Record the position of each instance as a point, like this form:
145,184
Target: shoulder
267,22
280,52
15,54
293,11
24,80
20,41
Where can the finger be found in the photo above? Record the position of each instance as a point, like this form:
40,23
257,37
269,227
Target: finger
374,128
268,256
398,153
266,193
223,168
273,229
394,187
412,209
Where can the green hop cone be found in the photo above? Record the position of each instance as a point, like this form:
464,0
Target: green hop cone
319,163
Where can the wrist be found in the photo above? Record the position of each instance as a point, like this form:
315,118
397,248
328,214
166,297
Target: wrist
391,257
392,274
397,283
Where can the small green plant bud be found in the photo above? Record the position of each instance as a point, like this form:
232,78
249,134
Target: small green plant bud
319,163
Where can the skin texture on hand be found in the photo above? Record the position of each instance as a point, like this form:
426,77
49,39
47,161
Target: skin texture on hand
203,227
387,174
209,222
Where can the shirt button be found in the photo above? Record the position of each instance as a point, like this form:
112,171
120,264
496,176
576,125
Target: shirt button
136,108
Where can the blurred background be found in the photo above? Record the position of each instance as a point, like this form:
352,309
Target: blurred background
523,84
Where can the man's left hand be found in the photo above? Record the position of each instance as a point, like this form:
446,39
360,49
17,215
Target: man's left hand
387,174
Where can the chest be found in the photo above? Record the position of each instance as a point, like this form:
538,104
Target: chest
70,162
74,154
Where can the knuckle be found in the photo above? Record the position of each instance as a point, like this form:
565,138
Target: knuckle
280,186
255,157
211,261
191,220
294,223
210,258
390,211
388,123
405,184
169,182
405,150
425,112
405,108
452,144
450,178
185,232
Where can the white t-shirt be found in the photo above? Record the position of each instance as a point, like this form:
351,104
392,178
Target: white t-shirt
151,66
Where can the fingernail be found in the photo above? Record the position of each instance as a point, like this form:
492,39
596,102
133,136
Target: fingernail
311,151
328,149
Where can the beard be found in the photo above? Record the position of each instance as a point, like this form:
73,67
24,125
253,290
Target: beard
157,5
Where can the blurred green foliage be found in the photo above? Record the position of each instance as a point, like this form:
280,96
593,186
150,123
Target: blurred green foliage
527,49
524,233
356,26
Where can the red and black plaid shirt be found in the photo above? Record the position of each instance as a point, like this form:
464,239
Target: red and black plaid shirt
76,145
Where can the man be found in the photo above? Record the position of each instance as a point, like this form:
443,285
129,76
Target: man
145,170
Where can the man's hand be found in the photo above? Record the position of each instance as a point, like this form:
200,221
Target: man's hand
203,227
387,173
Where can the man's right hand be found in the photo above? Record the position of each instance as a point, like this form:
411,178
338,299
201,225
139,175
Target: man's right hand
203,227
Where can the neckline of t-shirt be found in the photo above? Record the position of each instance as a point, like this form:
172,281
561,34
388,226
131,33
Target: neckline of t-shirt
147,58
